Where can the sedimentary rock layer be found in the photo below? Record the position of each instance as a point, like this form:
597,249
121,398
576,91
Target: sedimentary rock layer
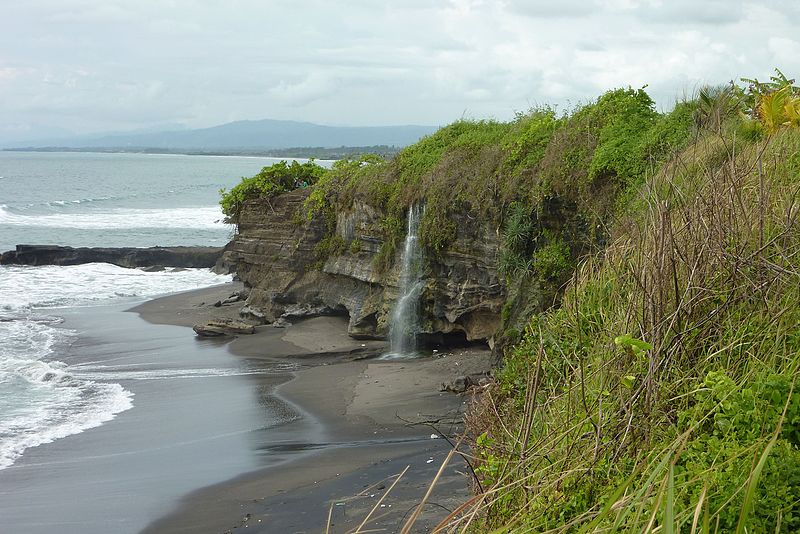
276,254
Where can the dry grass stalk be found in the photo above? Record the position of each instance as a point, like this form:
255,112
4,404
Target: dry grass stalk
713,236
358,529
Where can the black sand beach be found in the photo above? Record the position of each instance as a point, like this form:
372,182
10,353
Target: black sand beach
198,417
373,417
269,432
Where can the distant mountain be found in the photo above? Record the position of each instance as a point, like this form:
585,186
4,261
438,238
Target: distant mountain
250,135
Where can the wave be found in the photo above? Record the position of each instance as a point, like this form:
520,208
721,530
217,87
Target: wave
41,401
95,372
81,201
120,218
53,286
71,410
118,201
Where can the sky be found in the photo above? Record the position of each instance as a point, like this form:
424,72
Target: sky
89,66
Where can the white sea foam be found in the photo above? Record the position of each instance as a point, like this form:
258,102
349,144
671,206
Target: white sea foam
118,218
43,399
66,411
93,283
59,203
107,372
40,400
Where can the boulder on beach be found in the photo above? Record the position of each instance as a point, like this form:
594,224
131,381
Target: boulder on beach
223,328
462,384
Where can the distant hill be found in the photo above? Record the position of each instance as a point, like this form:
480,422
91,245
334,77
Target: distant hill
246,135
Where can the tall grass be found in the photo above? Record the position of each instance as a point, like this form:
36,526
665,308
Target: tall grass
689,421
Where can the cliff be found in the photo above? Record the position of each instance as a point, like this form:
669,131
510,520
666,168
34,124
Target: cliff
509,210
637,272
281,257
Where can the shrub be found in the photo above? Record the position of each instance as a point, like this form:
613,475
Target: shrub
695,406
627,115
552,261
270,181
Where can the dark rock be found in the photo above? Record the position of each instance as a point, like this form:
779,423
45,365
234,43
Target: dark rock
253,313
484,381
218,304
223,328
205,330
459,385
463,383
276,257
150,258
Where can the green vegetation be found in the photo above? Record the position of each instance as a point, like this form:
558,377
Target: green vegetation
272,180
342,152
661,393
650,334
510,173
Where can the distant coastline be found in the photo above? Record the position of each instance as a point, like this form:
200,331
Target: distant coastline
296,152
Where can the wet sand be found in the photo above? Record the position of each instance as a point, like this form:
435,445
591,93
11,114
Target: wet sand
199,416
372,418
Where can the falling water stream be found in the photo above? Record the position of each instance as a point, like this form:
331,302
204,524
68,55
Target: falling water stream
405,318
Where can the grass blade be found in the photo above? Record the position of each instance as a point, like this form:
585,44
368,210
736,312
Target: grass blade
377,504
411,520
669,512
752,485
697,510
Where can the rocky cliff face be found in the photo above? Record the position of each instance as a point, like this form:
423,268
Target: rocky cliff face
277,257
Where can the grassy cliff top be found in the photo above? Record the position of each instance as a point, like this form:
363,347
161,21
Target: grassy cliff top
661,394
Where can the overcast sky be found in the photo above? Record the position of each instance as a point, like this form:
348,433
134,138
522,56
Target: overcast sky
100,65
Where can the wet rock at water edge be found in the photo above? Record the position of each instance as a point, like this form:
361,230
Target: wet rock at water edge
223,328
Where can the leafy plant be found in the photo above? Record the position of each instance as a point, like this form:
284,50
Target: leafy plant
634,347
689,420
776,104
270,181
552,261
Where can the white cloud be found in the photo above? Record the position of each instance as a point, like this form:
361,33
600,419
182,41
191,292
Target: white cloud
309,88
116,64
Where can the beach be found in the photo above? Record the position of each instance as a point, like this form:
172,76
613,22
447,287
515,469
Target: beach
121,419
369,420
271,431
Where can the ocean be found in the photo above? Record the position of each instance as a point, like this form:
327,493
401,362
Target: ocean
135,200
59,375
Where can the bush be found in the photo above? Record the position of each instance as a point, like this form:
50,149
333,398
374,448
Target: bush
627,115
552,261
270,181
698,285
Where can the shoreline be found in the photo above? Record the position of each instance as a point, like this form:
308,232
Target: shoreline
373,416
198,417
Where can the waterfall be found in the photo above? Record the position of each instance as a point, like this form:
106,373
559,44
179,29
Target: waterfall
405,317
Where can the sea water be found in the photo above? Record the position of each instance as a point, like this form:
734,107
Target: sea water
84,199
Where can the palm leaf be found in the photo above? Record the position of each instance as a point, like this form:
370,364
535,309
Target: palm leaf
771,109
792,112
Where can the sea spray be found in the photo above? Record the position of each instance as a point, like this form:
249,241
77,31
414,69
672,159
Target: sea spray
43,399
405,325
